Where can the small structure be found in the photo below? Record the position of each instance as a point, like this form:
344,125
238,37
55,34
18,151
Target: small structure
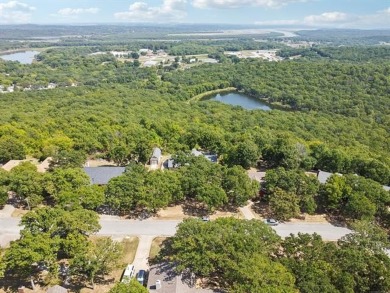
101,175
209,156
57,289
323,176
155,159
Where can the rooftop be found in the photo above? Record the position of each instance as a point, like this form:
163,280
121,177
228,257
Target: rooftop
170,281
101,175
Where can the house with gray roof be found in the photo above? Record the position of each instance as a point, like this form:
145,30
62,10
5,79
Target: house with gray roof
101,175
323,176
209,156
155,158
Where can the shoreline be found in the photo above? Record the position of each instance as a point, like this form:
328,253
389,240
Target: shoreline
213,92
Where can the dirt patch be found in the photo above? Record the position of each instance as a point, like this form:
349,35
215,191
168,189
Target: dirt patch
18,213
222,214
305,218
256,174
171,213
99,163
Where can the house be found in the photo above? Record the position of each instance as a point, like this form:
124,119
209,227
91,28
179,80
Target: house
171,164
155,158
57,289
163,279
209,156
101,175
323,176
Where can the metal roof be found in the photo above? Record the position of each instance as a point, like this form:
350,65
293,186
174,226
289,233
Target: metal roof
101,175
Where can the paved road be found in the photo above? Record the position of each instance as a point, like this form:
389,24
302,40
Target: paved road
326,230
115,227
9,229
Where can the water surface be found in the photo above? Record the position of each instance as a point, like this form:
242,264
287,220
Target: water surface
238,99
25,57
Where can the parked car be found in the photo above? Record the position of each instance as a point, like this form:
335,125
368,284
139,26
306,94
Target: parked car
271,222
205,218
128,274
141,277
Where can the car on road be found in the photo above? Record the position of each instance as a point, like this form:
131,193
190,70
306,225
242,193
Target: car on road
205,218
141,277
271,222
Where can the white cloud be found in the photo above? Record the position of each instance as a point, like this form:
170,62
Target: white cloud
170,10
77,11
326,18
242,3
337,19
15,12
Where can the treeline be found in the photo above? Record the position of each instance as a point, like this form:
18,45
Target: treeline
350,197
255,259
198,182
124,123
343,53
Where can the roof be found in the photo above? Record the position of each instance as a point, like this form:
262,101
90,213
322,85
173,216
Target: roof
171,163
170,281
323,176
156,153
57,289
212,158
101,175
196,153
387,188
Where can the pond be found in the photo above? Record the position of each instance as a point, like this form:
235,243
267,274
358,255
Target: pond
25,57
238,99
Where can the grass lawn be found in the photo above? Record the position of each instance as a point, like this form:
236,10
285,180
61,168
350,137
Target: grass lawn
156,247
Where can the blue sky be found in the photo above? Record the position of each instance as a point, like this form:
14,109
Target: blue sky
301,13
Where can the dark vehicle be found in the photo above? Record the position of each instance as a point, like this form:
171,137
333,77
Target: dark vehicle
271,222
141,277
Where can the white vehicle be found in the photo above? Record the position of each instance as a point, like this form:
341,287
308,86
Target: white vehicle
271,222
128,274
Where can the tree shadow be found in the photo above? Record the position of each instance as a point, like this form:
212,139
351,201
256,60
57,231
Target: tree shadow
336,220
262,208
195,209
11,284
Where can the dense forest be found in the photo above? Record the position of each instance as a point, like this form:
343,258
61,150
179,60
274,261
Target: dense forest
330,112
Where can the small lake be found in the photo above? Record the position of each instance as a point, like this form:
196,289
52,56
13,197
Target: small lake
26,57
238,99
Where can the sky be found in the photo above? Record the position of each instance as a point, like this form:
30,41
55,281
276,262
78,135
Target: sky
366,14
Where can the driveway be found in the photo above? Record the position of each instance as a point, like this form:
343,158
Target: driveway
9,230
142,255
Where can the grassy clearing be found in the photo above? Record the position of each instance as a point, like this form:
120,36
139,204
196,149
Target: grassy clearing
156,247
130,246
